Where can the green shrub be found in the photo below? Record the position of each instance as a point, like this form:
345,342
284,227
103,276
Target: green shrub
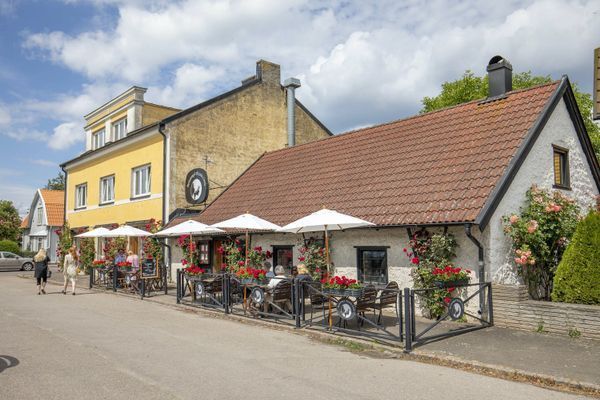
9,245
28,253
577,278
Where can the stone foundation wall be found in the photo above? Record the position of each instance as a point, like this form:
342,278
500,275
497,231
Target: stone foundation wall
513,309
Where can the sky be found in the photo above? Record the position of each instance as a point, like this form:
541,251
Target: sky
360,62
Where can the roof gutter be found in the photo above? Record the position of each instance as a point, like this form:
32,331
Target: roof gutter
64,194
480,263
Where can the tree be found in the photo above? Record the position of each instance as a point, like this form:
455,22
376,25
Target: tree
57,183
472,87
577,278
10,222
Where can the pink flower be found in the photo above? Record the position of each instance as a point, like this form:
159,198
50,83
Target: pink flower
532,226
513,219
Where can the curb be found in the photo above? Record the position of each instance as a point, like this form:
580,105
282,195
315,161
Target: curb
375,349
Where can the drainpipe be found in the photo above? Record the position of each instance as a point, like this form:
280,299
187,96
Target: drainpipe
161,130
480,263
291,84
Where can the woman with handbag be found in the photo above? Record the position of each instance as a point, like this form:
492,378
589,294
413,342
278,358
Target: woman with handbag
70,269
41,270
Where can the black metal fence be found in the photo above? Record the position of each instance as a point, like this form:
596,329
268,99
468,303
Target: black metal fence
131,282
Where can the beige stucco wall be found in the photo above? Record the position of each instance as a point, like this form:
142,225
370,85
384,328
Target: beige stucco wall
233,132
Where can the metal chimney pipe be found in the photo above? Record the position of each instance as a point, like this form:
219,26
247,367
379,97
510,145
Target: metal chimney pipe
291,84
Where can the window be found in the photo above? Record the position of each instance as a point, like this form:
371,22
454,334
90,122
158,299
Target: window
9,255
284,256
140,181
203,250
98,139
372,264
107,189
81,196
120,129
40,243
561,168
40,216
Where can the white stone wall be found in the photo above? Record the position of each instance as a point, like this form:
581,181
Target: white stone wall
538,169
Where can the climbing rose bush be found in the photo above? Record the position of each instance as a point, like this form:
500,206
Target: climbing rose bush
539,235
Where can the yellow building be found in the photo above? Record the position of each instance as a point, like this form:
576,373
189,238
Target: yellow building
143,161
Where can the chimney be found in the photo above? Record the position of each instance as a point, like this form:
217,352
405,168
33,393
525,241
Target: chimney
291,84
499,76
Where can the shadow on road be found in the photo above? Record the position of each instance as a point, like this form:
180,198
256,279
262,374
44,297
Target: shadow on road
7,362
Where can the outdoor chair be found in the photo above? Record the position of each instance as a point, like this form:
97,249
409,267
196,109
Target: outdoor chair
282,294
387,297
317,300
365,302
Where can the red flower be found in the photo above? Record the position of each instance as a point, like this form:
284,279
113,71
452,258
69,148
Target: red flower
268,254
258,249
404,250
447,300
415,260
241,263
301,258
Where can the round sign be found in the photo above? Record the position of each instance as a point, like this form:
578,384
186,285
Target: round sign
456,309
196,186
199,289
101,276
257,295
128,279
346,309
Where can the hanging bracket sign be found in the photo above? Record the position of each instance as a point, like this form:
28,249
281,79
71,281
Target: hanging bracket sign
196,186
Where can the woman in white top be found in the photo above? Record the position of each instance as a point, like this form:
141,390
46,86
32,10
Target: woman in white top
134,260
70,269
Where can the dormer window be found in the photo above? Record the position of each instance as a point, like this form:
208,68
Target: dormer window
98,139
120,129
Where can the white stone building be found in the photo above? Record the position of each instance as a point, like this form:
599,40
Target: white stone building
45,217
458,169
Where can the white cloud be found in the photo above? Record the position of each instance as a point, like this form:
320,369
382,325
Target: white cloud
65,135
44,163
4,116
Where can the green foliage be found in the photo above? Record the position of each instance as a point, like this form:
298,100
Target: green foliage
539,237
574,333
577,278
28,253
540,328
112,247
87,253
313,256
472,87
65,241
9,245
57,183
10,222
152,246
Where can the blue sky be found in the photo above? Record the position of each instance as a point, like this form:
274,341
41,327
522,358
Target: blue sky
360,62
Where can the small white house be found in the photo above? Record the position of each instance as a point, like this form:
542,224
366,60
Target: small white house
45,217
458,169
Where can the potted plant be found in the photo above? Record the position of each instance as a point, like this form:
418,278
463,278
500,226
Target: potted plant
342,286
251,275
99,263
194,272
450,276
125,265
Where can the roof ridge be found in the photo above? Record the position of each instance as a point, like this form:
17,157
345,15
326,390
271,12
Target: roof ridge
359,130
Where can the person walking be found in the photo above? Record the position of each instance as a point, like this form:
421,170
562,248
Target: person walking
41,260
70,269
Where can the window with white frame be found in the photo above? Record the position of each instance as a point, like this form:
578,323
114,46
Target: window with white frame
81,195
40,216
98,139
120,129
40,243
140,181
107,189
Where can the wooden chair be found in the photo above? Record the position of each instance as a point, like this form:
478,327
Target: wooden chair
317,300
365,302
282,294
387,297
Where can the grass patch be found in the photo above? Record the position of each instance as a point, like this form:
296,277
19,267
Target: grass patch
574,333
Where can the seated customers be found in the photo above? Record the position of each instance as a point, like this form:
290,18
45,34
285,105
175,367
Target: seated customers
279,276
303,274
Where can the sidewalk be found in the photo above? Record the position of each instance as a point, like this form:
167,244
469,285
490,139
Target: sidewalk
550,361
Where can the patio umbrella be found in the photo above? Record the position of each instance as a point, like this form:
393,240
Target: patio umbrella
189,227
126,231
247,222
94,233
325,220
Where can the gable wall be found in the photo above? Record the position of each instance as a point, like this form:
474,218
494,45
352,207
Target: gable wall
538,169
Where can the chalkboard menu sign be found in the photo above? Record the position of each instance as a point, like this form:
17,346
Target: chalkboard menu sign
149,269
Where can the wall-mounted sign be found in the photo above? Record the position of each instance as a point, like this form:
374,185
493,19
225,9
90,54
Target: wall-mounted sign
196,186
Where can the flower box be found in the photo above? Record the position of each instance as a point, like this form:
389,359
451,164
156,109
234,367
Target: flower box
449,284
343,292
194,277
247,281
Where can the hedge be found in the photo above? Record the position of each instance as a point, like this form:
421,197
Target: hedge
9,245
577,278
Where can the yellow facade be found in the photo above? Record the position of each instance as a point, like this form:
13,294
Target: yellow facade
119,162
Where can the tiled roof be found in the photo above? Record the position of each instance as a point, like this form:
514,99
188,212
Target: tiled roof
439,167
55,206
25,222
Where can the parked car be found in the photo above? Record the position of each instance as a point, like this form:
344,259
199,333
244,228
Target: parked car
10,260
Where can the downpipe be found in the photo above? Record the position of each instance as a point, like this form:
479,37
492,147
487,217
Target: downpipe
481,266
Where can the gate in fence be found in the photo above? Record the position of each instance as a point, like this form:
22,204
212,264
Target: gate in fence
385,314
150,279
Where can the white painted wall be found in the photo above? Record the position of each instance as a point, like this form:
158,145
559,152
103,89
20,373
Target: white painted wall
538,169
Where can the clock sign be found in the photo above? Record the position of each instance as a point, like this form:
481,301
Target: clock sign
196,186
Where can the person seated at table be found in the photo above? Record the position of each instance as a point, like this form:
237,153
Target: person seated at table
120,256
303,274
270,274
279,276
134,260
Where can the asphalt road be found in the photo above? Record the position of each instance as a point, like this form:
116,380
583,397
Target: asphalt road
103,346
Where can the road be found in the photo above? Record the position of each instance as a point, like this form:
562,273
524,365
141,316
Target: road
103,346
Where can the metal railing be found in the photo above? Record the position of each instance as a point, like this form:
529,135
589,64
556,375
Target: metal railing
115,279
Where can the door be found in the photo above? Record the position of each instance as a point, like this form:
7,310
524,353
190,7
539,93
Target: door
219,259
284,256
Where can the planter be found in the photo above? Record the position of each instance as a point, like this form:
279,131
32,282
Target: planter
194,277
449,284
343,292
247,281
